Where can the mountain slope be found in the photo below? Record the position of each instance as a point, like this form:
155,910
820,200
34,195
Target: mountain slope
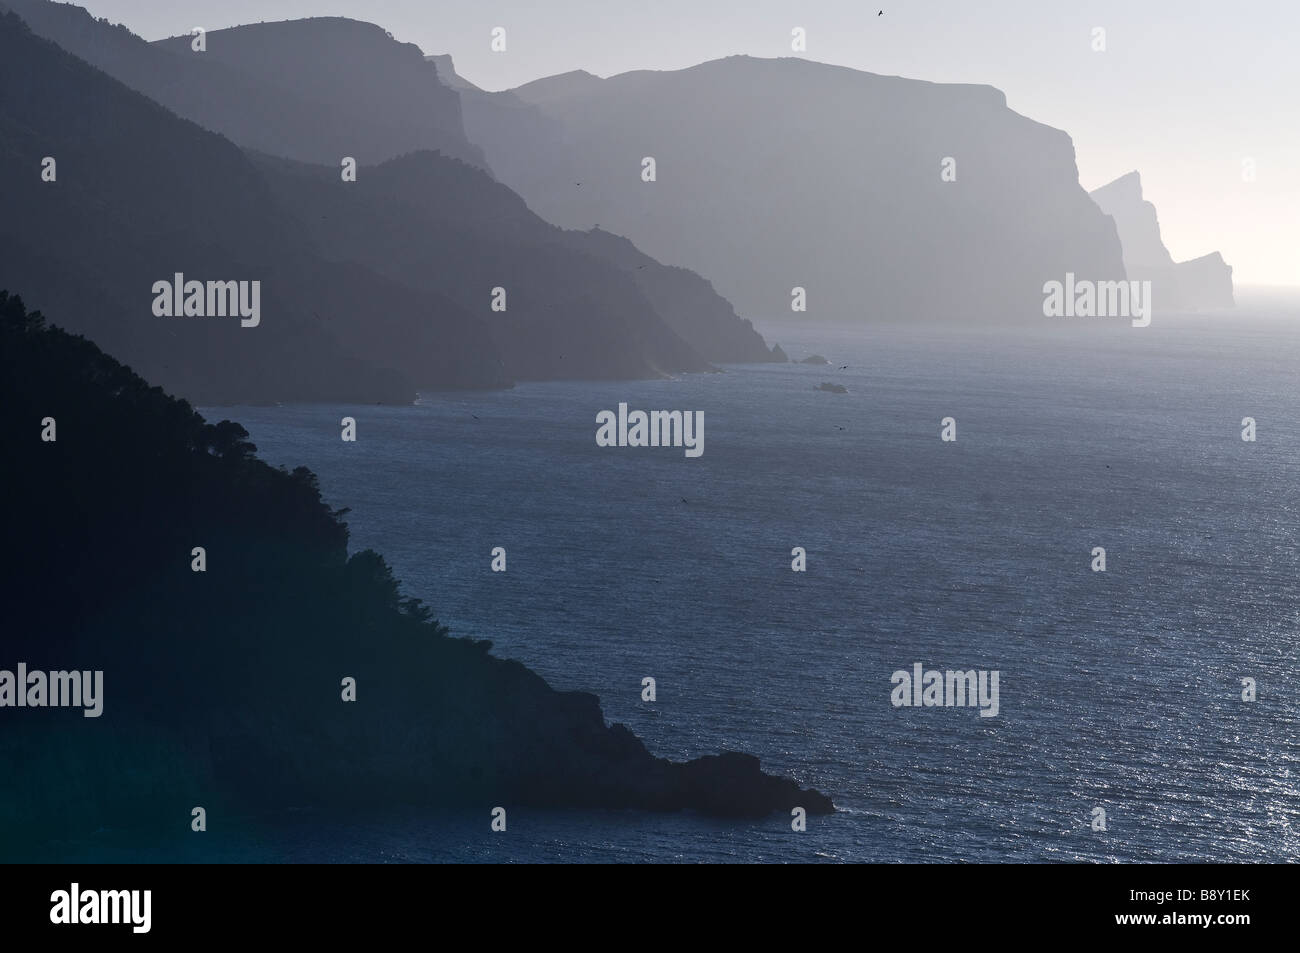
687,302
444,227
773,174
577,304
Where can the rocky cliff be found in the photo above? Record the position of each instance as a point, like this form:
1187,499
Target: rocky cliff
1199,284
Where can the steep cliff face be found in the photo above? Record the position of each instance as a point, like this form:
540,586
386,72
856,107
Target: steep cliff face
313,90
776,174
1136,220
1201,283
447,74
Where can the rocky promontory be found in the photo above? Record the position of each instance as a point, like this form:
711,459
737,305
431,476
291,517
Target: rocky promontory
252,664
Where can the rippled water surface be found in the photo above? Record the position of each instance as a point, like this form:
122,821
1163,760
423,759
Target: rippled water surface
1119,690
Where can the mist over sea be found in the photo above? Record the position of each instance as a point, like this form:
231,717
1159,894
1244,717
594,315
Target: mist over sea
1119,690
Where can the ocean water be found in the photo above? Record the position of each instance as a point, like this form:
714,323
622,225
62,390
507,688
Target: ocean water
1120,690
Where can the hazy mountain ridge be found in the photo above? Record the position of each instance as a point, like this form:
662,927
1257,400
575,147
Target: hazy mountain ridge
335,328
773,174
263,85
125,212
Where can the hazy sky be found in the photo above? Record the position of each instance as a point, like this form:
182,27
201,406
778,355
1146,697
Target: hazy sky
1184,92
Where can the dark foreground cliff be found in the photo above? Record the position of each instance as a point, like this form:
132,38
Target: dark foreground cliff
222,688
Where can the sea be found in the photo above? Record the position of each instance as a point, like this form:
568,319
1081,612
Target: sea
1122,691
